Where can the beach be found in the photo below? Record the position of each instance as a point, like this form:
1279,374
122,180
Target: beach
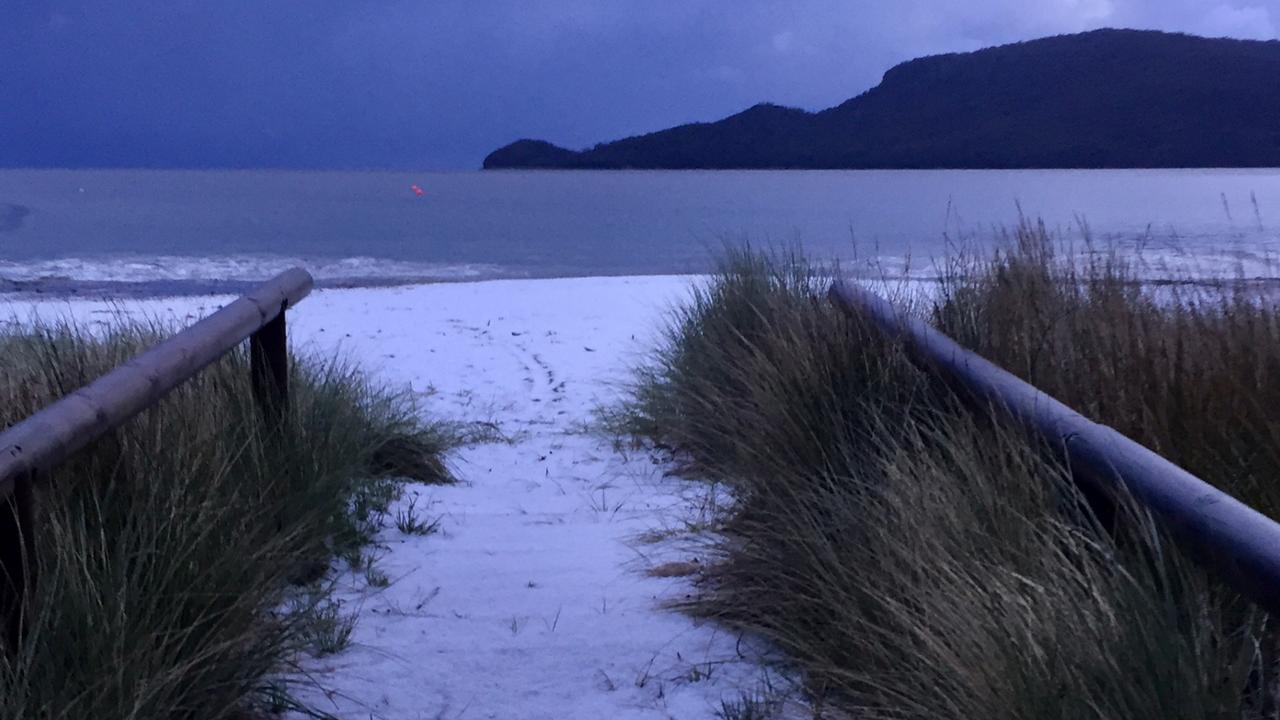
536,597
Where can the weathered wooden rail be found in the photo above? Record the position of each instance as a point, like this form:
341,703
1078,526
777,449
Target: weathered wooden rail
1232,539
35,446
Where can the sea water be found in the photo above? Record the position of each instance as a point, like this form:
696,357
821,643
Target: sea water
147,231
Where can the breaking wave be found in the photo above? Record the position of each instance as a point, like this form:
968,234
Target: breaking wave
174,269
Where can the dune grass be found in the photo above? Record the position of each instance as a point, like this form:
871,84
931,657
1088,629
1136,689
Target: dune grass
180,558
1189,369
918,561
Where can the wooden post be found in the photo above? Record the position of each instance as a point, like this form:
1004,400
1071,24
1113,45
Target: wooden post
41,442
269,361
17,558
1232,539
45,439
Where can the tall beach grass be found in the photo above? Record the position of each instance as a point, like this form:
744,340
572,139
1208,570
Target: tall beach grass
917,560
1190,368
178,557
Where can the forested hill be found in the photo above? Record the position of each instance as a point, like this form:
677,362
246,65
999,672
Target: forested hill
1107,98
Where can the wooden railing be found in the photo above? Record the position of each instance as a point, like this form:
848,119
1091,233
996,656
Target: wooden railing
35,446
1231,539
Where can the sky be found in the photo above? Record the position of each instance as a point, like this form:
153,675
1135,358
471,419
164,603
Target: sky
437,84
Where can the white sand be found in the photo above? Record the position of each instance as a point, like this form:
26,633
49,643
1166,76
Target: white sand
532,600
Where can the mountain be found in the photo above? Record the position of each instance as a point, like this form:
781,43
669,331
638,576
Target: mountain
1106,98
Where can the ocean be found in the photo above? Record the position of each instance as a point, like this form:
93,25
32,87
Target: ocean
160,232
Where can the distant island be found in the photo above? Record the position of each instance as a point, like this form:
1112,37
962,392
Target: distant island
1101,99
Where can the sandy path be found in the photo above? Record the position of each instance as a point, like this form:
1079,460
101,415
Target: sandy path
531,601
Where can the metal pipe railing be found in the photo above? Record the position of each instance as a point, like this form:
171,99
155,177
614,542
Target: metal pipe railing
1232,539
38,444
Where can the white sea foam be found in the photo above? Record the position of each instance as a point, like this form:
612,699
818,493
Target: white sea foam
176,268
1206,259
1258,258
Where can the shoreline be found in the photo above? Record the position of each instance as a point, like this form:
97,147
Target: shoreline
144,278
129,290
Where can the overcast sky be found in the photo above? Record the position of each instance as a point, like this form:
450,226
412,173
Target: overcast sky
436,84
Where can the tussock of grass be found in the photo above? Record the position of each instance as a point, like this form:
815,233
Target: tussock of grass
1190,370
915,560
168,548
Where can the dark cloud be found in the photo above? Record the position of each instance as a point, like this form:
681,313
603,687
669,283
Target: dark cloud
437,83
